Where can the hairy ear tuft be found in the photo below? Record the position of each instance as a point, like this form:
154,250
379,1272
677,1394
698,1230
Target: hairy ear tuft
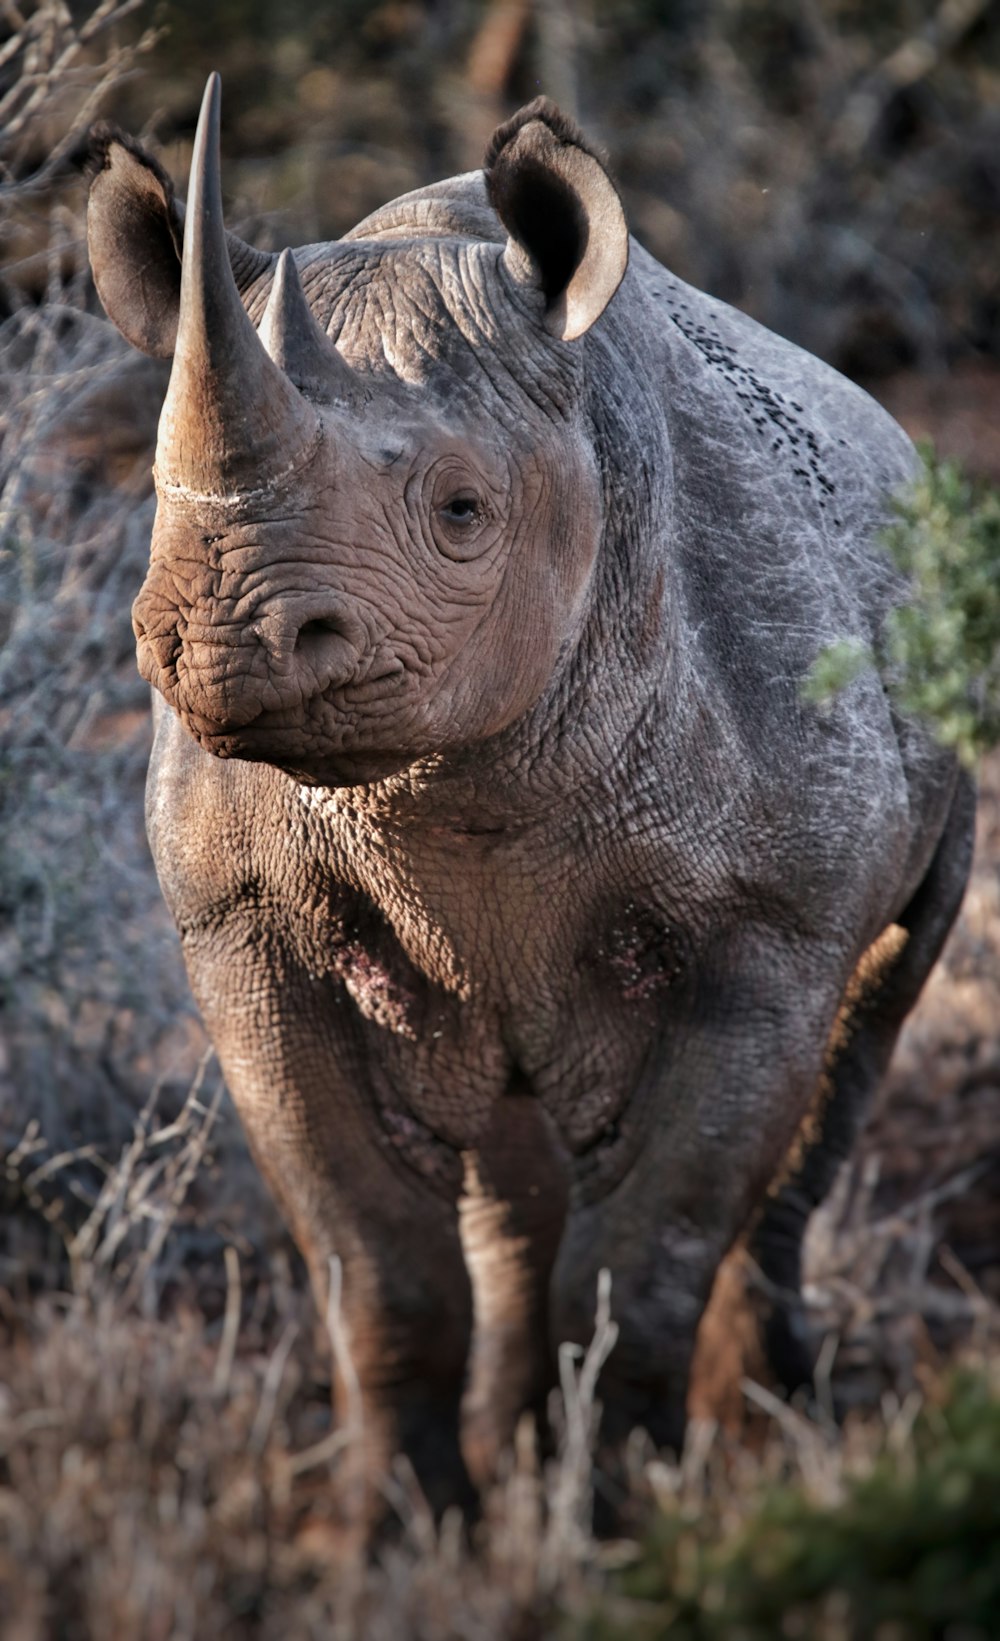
100,140
544,109
568,234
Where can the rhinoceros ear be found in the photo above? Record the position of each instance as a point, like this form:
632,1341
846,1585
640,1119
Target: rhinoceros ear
567,228
135,234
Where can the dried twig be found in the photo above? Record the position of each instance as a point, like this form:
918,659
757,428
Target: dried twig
571,1497
230,1324
272,1386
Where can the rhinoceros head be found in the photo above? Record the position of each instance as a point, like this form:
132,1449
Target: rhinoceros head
368,551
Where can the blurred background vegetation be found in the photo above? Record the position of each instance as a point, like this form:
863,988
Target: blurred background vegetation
831,166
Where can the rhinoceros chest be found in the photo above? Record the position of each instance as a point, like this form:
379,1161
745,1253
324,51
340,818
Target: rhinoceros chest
473,968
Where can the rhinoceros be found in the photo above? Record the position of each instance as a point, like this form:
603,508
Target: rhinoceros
540,923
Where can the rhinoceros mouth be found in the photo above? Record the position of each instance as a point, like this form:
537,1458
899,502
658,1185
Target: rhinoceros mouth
370,686
347,736
281,703
317,723
309,762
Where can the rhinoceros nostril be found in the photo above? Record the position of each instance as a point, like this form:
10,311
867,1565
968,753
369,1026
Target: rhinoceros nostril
324,652
313,634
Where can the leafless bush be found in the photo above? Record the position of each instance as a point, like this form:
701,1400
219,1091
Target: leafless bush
91,982
826,167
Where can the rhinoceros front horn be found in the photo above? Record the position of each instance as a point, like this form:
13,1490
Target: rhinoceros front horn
232,420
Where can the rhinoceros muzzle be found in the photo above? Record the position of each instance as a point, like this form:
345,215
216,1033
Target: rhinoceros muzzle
227,674
239,430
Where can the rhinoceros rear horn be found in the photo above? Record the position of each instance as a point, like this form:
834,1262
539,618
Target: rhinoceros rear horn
568,234
232,420
296,343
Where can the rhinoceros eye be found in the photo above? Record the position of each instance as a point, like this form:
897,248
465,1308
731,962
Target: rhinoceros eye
461,510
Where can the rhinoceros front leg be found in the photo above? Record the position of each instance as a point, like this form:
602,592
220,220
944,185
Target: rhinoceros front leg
406,1304
722,1099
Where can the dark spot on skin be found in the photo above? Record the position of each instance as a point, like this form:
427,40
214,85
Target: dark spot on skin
763,403
644,954
376,991
360,949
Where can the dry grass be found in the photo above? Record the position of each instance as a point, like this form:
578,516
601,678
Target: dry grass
167,1467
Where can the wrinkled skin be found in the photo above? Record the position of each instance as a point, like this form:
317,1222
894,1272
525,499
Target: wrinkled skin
526,901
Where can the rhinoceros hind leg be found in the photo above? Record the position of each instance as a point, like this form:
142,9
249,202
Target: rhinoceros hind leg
883,989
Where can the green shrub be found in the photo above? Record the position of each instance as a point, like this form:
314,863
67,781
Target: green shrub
910,1553
940,651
